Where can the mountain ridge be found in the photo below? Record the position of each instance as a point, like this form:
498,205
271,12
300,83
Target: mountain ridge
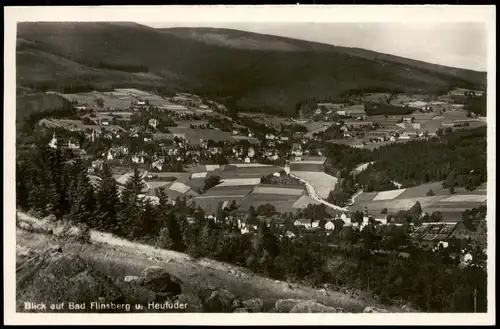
217,64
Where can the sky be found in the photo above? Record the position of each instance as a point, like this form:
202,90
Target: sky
453,44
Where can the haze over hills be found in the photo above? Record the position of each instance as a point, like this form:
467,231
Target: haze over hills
249,71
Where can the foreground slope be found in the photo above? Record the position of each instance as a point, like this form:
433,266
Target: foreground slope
118,258
248,70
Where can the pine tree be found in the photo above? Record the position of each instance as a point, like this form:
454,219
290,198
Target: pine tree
164,239
81,196
107,201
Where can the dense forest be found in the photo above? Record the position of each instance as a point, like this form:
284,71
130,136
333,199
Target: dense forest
458,158
48,184
386,109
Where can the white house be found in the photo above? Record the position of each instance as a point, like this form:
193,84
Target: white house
153,123
289,234
342,113
329,226
251,152
53,142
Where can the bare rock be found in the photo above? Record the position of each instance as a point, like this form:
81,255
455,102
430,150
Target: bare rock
241,310
408,309
157,279
219,301
131,278
255,305
236,304
286,305
52,277
373,309
310,306
323,292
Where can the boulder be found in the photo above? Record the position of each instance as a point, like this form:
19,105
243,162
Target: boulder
157,279
219,301
52,277
131,278
241,310
373,309
236,304
286,305
194,303
255,305
310,306
408,309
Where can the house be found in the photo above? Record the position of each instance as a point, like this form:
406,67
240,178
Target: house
80,107
407,120
105,122
297,150
53,142
404,136
342,113
141,103
73,144
329,226
153,123
290,234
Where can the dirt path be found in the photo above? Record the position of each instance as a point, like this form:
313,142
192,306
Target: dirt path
123,258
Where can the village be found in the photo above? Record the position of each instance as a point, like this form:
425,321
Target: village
262,167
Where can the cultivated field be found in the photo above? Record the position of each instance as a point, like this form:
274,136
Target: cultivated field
240,181
450,205
322,182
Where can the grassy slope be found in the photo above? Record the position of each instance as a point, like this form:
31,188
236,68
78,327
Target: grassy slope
259,71
118,258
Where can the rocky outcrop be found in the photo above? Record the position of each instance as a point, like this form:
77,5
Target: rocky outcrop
255,305
157,279
285,305
53,277
303,306
310,306
131,278
220,301
373,309
241,310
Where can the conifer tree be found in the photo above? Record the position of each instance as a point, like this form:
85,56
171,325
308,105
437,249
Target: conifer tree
107,201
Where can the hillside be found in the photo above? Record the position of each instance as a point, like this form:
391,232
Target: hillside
249,71
103,264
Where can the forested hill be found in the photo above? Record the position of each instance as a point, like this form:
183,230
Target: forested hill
246,70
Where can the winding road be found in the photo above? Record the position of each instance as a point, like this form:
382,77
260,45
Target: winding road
313,194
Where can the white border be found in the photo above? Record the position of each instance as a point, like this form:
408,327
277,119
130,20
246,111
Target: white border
202,14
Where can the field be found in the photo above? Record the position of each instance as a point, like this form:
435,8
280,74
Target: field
450,205
322,182
298,166
282,198
256,172
239,181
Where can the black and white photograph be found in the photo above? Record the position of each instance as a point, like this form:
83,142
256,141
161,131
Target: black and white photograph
187,161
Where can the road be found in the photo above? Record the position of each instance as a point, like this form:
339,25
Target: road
313,194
